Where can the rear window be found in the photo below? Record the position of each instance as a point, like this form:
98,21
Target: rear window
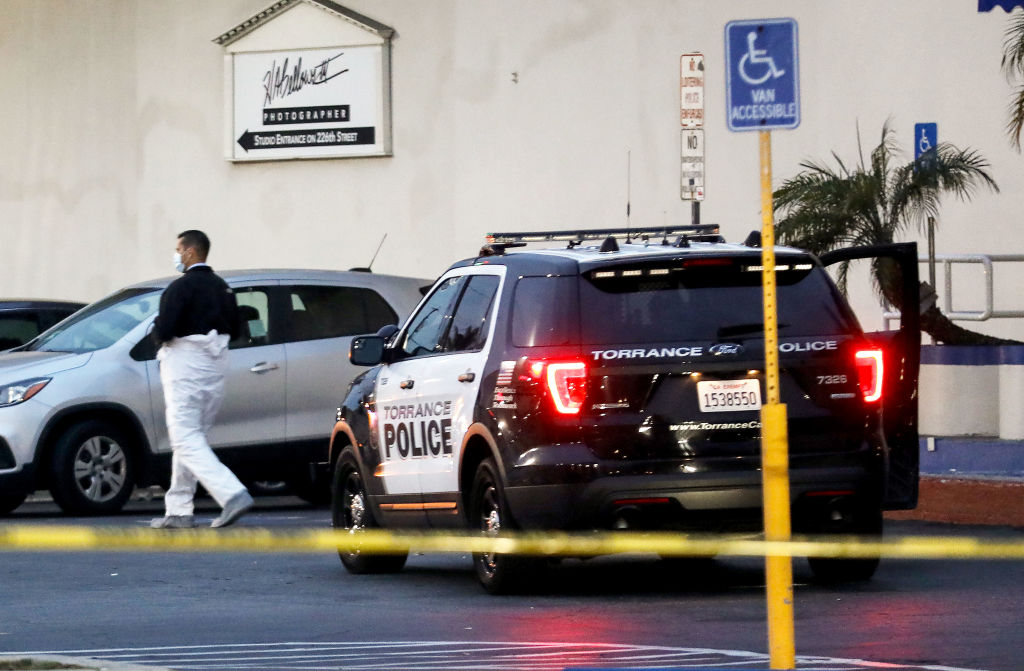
17,328
706,299
321,311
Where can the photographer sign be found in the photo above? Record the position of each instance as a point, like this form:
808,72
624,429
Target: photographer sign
309,103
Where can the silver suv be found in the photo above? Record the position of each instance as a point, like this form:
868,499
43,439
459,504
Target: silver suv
82,409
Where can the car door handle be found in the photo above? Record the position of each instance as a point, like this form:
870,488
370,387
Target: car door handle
467,377
406,384
263,367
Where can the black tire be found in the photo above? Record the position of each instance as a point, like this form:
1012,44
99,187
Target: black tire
498,573
93,469
350,509
267,487
10,501
864,521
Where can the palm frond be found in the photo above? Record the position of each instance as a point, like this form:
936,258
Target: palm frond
1013,67
1015,126
1013,47
843,277
941,170
824,207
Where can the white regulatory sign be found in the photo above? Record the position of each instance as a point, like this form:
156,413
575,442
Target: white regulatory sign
691,90
691,165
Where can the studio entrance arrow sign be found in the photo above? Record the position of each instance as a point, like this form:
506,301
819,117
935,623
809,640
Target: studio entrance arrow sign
309,137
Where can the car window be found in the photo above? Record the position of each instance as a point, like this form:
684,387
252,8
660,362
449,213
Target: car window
544,312
254,315
101,324
426,329
320,311
709,300
48,318
469,324
17,329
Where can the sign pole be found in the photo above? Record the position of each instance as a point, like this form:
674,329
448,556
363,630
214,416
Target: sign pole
691,140
763,92
774,442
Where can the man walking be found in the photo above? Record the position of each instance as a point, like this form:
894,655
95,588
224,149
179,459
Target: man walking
198,316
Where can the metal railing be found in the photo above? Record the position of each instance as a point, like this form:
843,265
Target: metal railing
987,262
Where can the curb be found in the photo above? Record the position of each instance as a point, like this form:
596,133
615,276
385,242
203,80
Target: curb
967,500
40,662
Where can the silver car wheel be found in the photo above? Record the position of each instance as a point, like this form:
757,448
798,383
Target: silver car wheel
101,469
490,523
354,505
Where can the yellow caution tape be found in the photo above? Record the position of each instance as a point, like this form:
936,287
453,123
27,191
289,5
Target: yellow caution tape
555,544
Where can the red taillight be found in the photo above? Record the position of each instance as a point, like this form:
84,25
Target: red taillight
869,373
694,263
564,381
567,383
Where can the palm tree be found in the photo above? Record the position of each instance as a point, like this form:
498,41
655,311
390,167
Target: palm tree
874,202
1013,66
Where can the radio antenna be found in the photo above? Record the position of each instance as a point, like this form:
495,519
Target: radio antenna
378,250
369,268
628,185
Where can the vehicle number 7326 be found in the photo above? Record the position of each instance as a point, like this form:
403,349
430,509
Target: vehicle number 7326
831,379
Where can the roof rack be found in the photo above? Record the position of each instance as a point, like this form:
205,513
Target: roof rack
694,232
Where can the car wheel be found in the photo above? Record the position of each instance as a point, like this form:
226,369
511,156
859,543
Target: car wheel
864,521
498,573
9,502
93,470
350,510
267,487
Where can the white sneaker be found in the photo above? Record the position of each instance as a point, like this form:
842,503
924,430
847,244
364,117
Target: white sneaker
235,507
173,522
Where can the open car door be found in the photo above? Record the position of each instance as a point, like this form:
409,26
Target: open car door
902,349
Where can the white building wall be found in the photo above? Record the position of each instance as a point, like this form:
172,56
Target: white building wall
506,115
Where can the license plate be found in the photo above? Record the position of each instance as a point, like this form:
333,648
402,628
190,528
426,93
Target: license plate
728,395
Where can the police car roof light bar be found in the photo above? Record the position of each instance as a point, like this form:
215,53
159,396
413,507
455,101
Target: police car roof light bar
602,233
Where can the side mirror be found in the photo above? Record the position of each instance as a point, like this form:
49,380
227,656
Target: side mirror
367,350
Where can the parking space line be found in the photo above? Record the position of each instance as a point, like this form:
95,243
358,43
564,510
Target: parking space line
456,655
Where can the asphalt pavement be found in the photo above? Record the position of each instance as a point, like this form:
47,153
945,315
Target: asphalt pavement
302,611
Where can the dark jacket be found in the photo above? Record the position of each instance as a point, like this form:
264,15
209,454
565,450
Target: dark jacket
195,303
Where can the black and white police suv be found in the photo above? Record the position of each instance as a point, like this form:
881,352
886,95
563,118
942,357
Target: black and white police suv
618,386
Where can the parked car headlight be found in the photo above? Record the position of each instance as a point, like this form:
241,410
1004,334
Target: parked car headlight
19,392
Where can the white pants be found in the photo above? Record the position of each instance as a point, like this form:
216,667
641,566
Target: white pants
192,372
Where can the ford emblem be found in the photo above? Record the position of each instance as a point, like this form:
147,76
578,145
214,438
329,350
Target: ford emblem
726,349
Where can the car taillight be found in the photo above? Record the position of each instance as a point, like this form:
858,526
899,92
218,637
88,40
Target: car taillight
564,381
567,383
869,373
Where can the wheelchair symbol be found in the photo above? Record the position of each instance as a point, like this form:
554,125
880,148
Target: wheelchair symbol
755,56
923,144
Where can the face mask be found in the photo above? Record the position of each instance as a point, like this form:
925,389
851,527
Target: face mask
179,265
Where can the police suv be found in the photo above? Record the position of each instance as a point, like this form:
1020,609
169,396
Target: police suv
618,386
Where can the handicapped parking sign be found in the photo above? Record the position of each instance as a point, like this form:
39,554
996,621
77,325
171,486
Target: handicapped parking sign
926,136
762,76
